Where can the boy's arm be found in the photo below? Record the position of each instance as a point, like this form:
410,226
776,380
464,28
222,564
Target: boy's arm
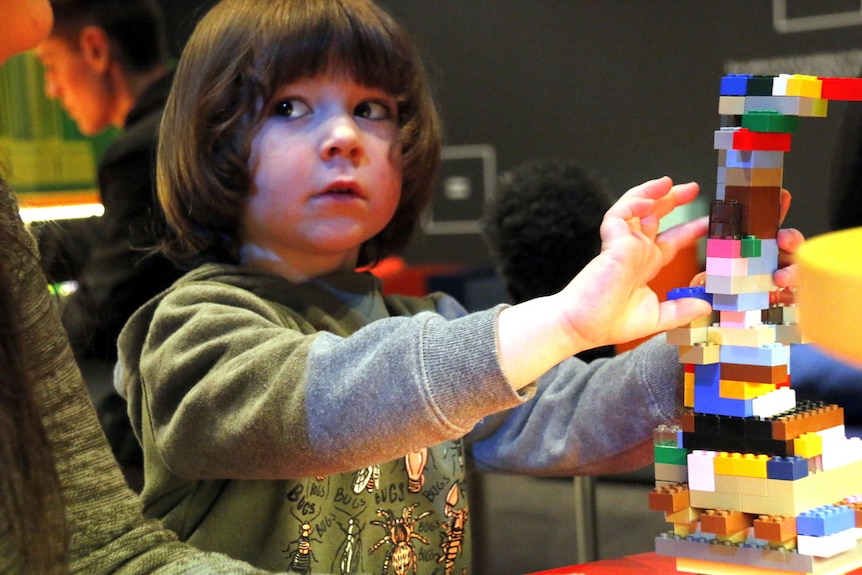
587,418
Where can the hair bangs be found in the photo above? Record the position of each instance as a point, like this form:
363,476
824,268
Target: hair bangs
331,37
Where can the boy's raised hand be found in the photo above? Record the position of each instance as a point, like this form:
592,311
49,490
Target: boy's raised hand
617,304
609,301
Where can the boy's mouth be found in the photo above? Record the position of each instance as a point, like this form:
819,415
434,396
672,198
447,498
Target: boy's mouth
343,189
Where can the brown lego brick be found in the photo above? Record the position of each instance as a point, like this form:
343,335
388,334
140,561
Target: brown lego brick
760,208
775,527
686,422
669,498
724,521
754,373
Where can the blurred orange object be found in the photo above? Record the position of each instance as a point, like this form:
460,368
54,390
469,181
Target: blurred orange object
830,281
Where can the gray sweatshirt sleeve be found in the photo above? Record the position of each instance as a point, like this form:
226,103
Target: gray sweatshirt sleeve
587,418
420,381
229,390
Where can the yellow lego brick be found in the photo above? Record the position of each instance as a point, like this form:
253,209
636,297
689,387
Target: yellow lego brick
808,445
793,497
685,515
715,499
741,464
705,321
752,485
733,389
813,107
688,390
757,336
686,335
804,85
741,485
726,483
739,284
685,529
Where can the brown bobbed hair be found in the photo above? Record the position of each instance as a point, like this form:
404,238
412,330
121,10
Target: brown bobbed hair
238,56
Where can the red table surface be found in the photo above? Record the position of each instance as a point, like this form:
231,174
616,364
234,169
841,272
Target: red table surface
642,564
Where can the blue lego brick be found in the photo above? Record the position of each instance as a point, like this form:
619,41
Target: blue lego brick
707,402
788,468
698,292
734,85
740,301
766,262
707,375
825,520
707,398
751,159
767,355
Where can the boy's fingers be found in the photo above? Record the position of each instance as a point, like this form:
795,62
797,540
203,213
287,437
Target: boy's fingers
678,312
784,203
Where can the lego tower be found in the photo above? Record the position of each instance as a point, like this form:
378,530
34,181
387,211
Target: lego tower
752,480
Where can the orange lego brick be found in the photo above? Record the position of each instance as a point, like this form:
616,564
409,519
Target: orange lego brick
775,527
724,521
816,418
854,503
669,498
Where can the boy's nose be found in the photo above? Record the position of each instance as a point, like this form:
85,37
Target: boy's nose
342,139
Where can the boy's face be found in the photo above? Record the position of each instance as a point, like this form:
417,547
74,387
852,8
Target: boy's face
76,77
326,166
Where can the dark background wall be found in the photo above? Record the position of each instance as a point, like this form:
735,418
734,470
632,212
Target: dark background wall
627,87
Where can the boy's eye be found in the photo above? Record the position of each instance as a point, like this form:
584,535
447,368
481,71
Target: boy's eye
291,108
373,111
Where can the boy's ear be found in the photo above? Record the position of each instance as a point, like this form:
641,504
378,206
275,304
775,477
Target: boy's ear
95,46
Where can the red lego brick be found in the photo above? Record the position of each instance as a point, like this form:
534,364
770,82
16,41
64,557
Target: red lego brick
745,139
841,89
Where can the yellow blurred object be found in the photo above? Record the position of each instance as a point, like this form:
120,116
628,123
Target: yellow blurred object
829,294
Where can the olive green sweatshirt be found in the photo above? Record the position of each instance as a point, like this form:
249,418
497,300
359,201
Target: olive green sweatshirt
317,427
